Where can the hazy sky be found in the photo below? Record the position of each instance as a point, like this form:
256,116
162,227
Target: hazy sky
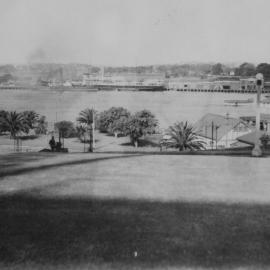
125,32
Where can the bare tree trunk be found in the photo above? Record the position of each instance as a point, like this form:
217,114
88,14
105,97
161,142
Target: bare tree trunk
93,134
17,144
90,142
84,142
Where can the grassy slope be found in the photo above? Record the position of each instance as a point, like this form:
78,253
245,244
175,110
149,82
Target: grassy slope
41,226
48,231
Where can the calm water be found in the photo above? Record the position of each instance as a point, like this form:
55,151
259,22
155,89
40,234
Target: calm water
168,107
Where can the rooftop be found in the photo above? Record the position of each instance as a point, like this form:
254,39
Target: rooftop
264,117
250,137
222,125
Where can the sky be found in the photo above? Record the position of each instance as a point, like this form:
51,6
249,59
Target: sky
134,32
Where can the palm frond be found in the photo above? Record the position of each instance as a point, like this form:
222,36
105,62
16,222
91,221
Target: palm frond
183,136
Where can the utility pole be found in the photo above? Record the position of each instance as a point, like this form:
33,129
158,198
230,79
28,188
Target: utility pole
227,123
212,126
217,127
257,151
93,127
84,142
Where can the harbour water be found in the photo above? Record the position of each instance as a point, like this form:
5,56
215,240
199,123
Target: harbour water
168,107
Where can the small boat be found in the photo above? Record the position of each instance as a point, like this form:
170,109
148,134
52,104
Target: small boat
266,100
236,102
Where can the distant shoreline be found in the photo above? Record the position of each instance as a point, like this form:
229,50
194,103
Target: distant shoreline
107,89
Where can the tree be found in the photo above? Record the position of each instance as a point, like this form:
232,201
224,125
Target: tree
184,138
245,69
147,121
87,117
265,138
81,130
41,126
108,117
134,130
119,126
31,119
6,78
14,123
66,129
264,68
217,69
35,122
3,126
140,124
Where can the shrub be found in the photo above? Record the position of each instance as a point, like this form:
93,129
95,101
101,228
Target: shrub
264,140
66,129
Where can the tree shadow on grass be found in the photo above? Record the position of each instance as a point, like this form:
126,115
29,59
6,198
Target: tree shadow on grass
15,159
28,137
17,171
76,230
142,143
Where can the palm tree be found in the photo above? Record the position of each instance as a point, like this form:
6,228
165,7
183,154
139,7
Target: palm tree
3,127
31,118
184,138
42,125
87,117
81,130
14,123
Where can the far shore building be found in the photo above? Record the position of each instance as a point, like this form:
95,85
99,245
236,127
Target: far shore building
218,131
213,83
264,121
67,84
123,78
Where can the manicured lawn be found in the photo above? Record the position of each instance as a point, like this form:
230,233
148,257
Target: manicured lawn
83,211
104,142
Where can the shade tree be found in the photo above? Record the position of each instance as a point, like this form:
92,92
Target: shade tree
141,124
110,120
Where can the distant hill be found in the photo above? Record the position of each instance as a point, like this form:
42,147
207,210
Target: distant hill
74,71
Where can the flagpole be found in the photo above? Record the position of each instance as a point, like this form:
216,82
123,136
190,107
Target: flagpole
257,151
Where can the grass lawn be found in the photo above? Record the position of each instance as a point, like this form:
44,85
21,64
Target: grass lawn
100,211
104,142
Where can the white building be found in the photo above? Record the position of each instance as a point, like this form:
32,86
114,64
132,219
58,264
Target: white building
67,84
123,79
219,131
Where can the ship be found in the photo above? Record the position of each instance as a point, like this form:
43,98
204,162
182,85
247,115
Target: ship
126,87
236,102
124,82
